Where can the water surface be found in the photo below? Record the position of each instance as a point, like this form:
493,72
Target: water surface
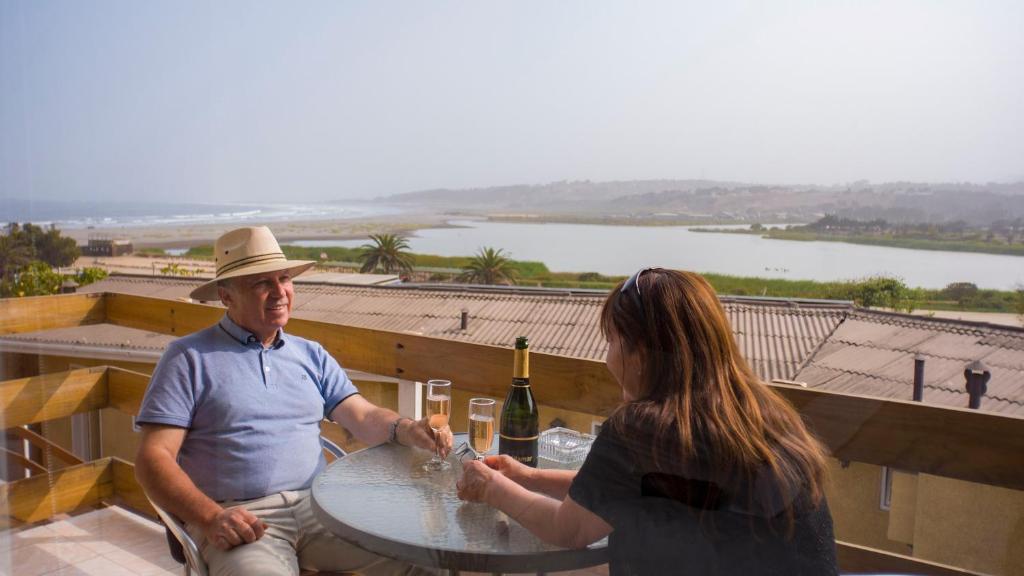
620,250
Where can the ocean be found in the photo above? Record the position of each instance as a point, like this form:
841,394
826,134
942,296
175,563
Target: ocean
77,215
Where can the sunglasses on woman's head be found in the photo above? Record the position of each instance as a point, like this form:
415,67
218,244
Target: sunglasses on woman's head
632,285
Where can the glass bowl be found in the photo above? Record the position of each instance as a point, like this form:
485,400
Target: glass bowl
564,447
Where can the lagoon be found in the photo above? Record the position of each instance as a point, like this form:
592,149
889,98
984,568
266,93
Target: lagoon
620,250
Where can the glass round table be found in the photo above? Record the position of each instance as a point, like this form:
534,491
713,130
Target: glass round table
382,500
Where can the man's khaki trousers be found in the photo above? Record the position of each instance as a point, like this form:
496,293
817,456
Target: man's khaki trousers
294,540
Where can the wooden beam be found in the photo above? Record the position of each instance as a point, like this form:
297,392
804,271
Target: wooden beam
31,314
50,396
159,315
127,488
46,495
557,381
126,389
13,459
45,445
915,437
854,559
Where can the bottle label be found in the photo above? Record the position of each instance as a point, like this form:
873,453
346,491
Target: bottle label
521,449
519,438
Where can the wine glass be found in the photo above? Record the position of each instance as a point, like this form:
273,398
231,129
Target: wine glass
481,424
439,407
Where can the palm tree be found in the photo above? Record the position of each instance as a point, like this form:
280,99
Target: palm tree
489,266
388,252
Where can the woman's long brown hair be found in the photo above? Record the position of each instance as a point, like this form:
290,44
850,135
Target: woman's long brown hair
698,395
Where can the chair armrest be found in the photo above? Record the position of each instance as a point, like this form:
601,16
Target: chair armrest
331,447
193,558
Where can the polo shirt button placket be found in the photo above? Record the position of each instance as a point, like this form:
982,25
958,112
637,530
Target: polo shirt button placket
266,367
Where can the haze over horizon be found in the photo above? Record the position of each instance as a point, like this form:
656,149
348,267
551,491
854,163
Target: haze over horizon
248,102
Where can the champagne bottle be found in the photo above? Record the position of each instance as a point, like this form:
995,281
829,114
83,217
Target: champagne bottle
518,434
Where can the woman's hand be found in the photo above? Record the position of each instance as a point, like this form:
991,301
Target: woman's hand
419,433
477,481
510,468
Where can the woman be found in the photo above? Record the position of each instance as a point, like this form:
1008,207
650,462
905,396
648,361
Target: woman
703,469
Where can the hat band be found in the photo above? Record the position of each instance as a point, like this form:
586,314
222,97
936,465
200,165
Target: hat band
257,259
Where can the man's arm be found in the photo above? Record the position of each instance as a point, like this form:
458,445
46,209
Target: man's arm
371,424
157,470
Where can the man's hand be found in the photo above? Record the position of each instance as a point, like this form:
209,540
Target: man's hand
418,433
233,527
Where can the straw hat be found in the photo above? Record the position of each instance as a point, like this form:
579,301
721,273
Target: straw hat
245,251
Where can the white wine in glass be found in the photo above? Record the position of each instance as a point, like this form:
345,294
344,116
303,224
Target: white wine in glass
481,424
439,407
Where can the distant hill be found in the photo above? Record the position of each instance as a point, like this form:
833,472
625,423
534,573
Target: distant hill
565,194
977,204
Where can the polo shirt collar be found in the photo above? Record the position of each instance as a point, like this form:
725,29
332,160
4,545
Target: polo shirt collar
246,337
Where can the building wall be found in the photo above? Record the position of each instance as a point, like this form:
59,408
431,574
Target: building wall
903,514
854,494
970,525
18,365
963,524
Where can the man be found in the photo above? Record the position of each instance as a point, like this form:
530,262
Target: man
231,421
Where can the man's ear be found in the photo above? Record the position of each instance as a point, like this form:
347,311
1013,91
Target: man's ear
225,295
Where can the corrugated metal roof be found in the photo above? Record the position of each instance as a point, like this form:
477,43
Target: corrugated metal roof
873,353
775,336
106,335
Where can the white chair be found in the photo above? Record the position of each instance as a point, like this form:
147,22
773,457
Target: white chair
184,550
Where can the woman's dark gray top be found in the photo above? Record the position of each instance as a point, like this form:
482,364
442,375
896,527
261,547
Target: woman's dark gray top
670,524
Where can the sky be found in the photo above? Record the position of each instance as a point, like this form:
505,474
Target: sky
276,101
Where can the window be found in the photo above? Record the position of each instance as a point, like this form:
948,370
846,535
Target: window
885,498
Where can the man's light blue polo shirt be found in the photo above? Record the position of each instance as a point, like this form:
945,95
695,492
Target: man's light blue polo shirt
252,413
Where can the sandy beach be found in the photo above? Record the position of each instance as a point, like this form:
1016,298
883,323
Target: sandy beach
195,235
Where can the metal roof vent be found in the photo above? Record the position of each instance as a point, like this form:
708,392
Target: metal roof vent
977,376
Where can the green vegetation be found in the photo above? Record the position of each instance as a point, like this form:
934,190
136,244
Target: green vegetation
875,292
175,269
985,247
351,256
1001,237
28,256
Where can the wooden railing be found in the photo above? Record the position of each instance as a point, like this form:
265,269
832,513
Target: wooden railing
956,443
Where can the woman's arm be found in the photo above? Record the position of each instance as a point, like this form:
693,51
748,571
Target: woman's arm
554,483
561,522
